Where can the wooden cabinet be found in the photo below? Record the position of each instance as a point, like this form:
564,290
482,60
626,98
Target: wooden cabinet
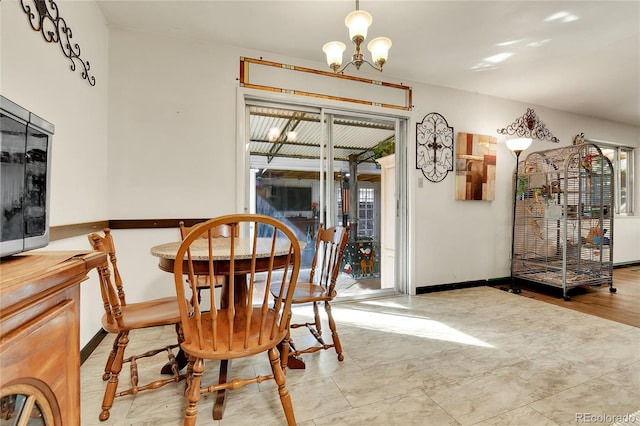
40,335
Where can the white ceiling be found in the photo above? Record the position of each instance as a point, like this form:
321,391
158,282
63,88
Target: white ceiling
588,64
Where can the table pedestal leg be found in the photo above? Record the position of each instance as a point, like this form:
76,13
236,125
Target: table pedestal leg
240,300
293,362
218,406
181,359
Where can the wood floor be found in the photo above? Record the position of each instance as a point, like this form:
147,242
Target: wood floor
622,306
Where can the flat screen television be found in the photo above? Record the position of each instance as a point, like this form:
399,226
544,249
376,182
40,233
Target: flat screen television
291,198
25,173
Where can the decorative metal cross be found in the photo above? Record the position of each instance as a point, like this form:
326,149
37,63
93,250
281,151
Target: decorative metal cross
434,147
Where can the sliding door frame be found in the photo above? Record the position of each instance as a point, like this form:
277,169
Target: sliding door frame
246,97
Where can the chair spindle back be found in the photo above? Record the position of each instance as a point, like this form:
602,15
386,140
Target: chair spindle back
241,317
112,291
330,246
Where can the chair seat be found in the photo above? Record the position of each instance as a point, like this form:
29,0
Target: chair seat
308,292
152,313
238,349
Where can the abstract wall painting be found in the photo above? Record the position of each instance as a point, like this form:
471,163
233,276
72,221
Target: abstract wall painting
476,167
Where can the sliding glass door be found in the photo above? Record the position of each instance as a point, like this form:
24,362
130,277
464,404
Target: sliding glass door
311,166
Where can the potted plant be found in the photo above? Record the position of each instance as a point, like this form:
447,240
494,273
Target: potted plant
383,148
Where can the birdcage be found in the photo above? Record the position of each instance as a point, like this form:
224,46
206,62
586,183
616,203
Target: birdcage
563,218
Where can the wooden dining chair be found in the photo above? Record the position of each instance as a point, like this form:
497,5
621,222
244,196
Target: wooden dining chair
239,321
321,288
222,231
121,317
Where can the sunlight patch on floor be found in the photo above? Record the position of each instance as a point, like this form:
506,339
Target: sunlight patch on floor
398,324
384,303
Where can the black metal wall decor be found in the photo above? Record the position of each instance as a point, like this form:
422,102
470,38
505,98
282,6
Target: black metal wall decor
528,126
434,147
54,29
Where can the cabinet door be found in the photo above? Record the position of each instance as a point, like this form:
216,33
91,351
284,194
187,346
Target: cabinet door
40,365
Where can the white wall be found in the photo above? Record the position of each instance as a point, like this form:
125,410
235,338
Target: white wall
172,127
36,75
461,241
158,135
178,102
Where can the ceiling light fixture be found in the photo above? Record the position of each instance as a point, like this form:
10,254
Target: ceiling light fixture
292,136
358,22
273,134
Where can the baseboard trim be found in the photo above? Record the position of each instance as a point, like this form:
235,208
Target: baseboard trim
626,264
86,352
450,286
492,282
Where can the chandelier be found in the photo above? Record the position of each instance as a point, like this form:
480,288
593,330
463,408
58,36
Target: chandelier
358,22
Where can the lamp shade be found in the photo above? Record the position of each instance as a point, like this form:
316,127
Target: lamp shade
358,23
518,144
379,48
334,50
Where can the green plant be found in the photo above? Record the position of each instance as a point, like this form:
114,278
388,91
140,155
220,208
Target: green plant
523,186
383,148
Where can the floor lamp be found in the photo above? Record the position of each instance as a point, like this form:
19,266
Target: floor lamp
517,145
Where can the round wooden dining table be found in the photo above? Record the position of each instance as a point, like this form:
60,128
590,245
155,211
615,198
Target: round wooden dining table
166,254
221,252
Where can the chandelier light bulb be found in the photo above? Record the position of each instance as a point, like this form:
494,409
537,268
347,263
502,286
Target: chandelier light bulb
379,48
358,23
334,51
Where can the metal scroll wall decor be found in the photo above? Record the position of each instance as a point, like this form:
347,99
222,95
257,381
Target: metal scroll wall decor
46,19
528,126
434,147
578,139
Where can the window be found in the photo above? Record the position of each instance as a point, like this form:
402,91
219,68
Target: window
366,220
366,211
622,159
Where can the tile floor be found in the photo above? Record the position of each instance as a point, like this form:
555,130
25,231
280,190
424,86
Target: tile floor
477,356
